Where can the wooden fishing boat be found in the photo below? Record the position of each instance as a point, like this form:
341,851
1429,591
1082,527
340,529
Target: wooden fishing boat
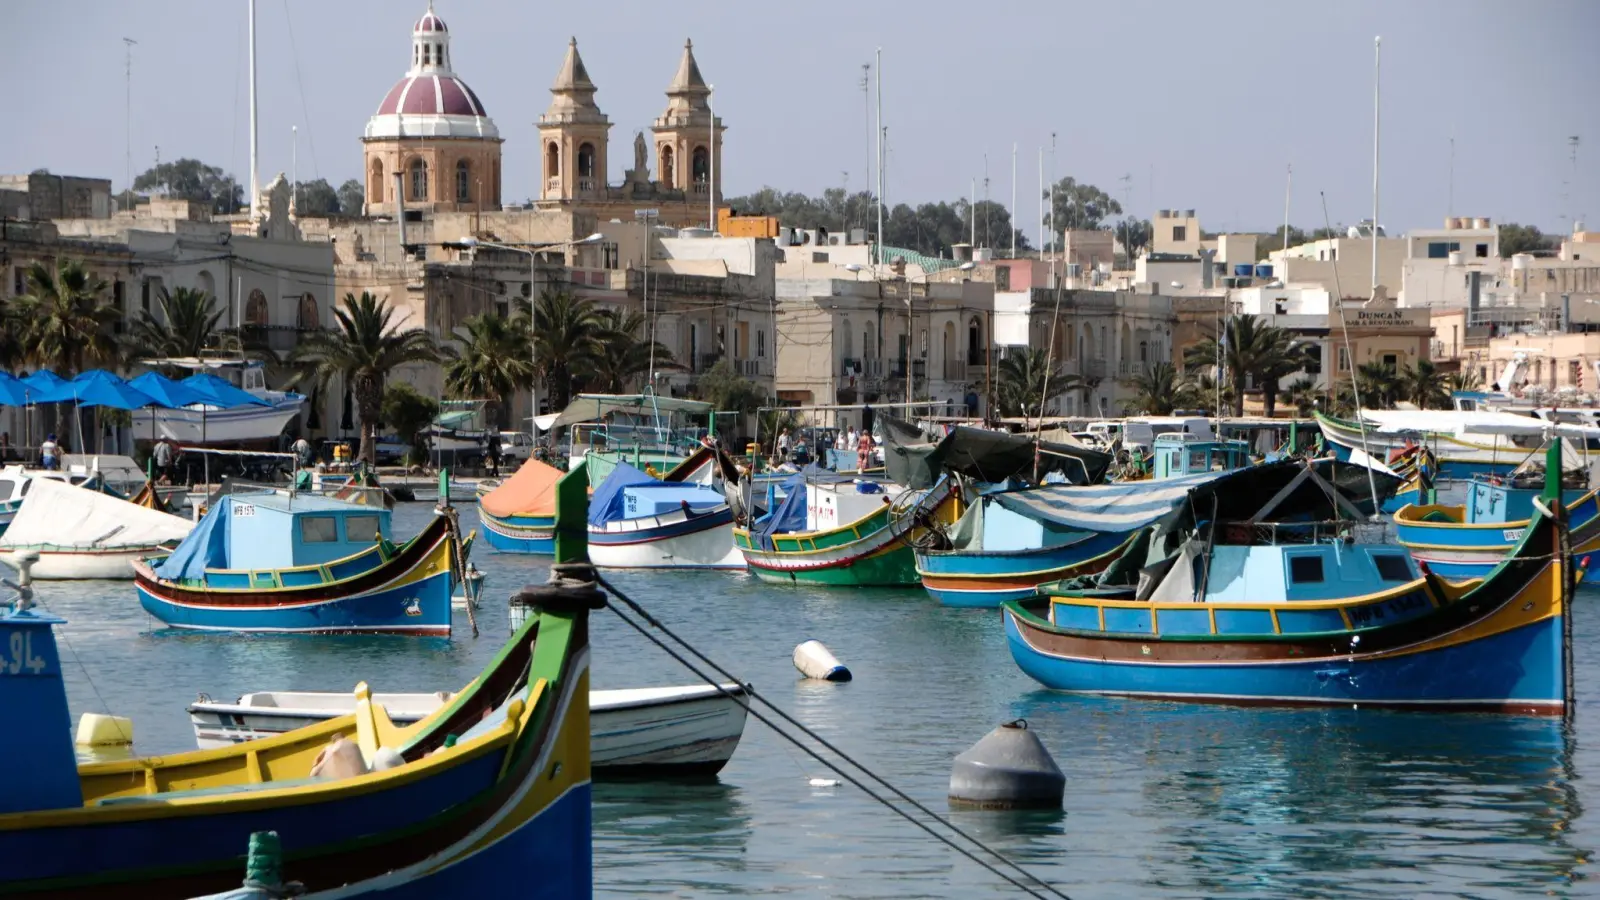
273,561
1277,613
1464,443
841,532
639,522
634,733
487,796
1468,540
79,533
519,514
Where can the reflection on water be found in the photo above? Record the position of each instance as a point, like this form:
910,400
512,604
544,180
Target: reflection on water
1163,800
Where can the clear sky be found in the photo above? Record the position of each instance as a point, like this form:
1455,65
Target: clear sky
1203,105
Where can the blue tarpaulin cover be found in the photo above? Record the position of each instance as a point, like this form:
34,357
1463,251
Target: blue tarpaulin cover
1104,507
206,547
606,504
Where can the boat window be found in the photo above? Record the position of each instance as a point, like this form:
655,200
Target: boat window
361,528
25,486
1305,569
319,529
1392,567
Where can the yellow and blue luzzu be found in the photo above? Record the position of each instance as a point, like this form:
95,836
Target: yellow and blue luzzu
1469,540
280,562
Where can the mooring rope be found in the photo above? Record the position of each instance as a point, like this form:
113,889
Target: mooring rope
752,694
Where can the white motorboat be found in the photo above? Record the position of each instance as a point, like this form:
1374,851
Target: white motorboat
640,732
81,533
202,424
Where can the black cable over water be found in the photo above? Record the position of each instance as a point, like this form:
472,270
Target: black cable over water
753,694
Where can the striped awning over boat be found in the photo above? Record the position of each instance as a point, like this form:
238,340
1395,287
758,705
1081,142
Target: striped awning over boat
1103,507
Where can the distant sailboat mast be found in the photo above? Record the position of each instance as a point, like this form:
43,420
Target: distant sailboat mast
255,185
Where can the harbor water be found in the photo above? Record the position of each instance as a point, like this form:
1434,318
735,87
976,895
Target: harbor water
1162,800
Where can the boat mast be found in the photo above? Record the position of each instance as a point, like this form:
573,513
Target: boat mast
255,186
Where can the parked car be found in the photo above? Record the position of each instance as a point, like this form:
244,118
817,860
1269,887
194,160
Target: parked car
515,446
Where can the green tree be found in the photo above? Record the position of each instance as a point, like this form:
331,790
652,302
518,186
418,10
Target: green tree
489,361
363,350
409,413
623,354
1207,396
568,333
1134,235
185,324
727,390
65,324
1025,378
352,198
1516,239
192,179
316,198
1250,350
1423,385
1465,380
1080,207
1380,385
1160,390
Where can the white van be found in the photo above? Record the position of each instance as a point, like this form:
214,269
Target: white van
1142,432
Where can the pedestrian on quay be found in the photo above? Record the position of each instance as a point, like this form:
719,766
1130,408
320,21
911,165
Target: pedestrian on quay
50,453
162,456
494,456
863,451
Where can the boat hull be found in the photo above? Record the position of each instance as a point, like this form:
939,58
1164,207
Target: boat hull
981,580
654,732
406,594
73,565
675,540
853,556
1460,551
219,426
534,535
1457,459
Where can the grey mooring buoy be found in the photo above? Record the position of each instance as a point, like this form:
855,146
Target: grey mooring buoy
1008,769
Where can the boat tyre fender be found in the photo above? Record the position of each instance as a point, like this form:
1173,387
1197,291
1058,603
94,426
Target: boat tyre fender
572,587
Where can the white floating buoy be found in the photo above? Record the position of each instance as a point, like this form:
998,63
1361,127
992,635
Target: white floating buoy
1009,769
824,782
814,661
96,730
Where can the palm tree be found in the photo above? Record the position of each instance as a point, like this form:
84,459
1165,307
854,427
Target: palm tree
490,361
1379,385
1251,349
1159,391
1205,394
623,355
63,321
1304,394
568,336
1025,379
1424,385
185,327
1465,380
363,350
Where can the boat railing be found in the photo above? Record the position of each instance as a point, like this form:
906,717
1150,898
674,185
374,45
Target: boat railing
1272,534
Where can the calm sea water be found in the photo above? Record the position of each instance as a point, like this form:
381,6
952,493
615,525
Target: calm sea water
1163,800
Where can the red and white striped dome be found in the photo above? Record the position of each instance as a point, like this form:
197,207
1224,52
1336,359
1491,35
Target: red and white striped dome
431,101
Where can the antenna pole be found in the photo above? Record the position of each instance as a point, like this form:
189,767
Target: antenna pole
1450,195
1012,212
1288,191
128,113
1377,61
877,68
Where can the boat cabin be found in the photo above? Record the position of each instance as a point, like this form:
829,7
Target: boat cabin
834,505
279,529
1248,573
659,499
1182,454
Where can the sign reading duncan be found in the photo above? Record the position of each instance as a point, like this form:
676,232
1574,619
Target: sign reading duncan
1391,318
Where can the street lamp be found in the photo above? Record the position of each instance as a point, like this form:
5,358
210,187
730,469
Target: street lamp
472,243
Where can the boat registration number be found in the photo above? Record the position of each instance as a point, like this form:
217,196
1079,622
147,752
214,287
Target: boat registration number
243,509
21,656
1512,535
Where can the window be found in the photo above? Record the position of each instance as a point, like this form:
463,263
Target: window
1438,250
1144,351
1344,359
319,530
1391,362
361,528
611,256
463,182
255,311
1180,233
819,256
1002,278
308,317
586,160
427,54
144,294
700,164
1574,372
375,183
761,343
419,180
1481,251
119,295
1392,567
1305,570
552,160
666,167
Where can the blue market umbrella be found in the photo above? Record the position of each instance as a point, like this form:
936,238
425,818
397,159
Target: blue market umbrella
166,392
45,386
98,387
13,390
218,392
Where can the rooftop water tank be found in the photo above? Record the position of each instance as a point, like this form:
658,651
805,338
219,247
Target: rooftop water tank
1455,257
1263,271
1243,269
1480,224
695,232
1521,261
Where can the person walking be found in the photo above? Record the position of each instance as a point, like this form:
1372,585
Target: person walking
863,451
494,456
162,456
781,451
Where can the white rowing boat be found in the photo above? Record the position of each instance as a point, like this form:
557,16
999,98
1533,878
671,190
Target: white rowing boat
640,732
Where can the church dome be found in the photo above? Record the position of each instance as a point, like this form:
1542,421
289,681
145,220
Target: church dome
430,100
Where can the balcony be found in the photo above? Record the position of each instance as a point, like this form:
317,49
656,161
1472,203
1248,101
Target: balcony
955,370
586,185
751,368
700,189
704,362
552,187
1093,368
850,366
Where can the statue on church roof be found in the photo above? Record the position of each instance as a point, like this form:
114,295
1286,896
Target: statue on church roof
641,160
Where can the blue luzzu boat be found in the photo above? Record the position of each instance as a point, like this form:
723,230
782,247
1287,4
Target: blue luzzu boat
277,561
487,797
1470,539
640,522
1240,609
519,515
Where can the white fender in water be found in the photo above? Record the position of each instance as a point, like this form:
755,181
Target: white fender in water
814,661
